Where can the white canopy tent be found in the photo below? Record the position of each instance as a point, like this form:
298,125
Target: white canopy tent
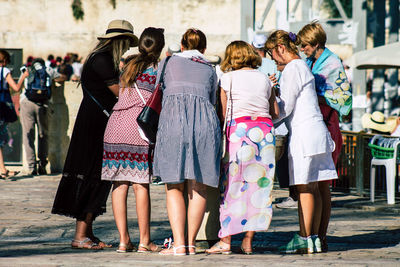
381,57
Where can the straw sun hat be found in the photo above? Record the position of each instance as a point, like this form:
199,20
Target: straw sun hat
376,121
120,28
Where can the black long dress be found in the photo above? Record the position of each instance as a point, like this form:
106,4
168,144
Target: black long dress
81,190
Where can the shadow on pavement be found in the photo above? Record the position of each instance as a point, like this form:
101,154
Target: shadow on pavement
105,230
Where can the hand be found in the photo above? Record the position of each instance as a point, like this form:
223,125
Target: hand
273,79
24,74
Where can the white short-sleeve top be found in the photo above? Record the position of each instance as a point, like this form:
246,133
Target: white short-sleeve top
251,90
300,105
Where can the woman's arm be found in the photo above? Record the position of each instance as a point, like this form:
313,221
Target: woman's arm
16,86
114,89
223,99
273,105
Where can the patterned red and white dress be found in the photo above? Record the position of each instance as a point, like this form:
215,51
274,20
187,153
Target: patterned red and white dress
125,156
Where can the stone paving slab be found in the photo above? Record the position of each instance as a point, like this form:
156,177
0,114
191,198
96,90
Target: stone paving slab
360,233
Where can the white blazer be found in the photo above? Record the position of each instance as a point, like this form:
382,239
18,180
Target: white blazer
300,105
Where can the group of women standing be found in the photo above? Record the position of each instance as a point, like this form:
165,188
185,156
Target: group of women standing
187,152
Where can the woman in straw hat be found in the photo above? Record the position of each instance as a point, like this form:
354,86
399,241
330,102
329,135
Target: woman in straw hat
81,193
310,144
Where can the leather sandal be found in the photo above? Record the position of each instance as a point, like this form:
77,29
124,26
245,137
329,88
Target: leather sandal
86,243
101,243
219,249
147,248
172,251
247,251
124,248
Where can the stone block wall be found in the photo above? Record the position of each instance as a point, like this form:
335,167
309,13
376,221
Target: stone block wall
63,107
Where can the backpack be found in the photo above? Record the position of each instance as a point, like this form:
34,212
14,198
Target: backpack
39,84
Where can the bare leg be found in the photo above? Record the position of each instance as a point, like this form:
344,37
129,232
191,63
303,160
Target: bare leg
227,240
3,170
326,207
247,242
177,214
2,166
143,211
119,198
81,239
317,210
81,228
306,208
197,194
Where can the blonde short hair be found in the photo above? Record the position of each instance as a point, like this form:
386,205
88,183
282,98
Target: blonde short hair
280,37
313,34
239,54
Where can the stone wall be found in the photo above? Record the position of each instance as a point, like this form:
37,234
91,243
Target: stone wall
41,27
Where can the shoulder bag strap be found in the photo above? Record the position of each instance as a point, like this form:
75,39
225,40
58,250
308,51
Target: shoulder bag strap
228,107
161,80
95,100
163,70
139,93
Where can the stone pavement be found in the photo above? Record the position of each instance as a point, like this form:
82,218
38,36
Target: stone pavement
360,233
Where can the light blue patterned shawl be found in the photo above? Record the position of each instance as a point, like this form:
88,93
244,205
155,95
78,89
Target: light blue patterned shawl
331,81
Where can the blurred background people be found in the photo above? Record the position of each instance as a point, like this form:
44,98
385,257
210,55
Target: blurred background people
6,84
50,57
34,114
76,67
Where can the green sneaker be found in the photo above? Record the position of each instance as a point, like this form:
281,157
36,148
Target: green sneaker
298,246
317,244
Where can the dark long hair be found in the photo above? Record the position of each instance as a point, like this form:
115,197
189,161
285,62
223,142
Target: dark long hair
151,43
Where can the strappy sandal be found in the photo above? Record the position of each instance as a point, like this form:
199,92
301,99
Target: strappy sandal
192,247
147,249
172,251
247,251
86,243
218,249
8,174
101,243
124,248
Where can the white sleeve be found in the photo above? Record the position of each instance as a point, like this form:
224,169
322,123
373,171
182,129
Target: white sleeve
226,81
291,86
52,73
6,71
